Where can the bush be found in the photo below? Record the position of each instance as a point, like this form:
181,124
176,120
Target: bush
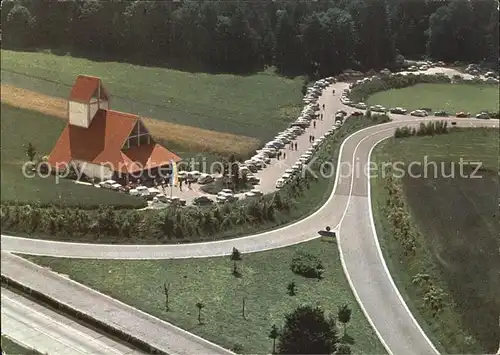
429,129
307,265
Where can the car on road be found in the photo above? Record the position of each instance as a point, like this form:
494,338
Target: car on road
398,110
462,114
441,114
419,113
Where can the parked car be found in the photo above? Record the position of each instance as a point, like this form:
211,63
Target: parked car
280,183
207,178
357,114
483,116
418,113
441,114
398,110
202,201
462,114
378,108
107,184
254,180
162,198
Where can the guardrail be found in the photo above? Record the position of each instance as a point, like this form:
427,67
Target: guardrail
72,312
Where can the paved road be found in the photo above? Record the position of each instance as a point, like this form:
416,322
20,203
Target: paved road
154,331
348,210
40,328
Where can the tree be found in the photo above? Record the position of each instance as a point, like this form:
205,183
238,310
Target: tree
344,315
200,306
273,334
291,288
343,349
235,257
166,289
308,331
30,151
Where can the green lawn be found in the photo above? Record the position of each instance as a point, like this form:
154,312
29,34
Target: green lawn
451,98
457,243
256,105
10,347
20,127
264,280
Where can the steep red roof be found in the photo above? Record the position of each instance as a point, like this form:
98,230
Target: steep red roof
102,143
84,87
147,157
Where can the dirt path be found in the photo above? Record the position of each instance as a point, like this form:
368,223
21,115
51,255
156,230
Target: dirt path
191,138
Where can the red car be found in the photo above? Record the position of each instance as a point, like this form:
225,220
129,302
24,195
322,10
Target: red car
357,113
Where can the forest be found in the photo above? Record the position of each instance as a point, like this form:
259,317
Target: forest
315,38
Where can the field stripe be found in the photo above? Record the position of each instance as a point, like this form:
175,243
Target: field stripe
189,137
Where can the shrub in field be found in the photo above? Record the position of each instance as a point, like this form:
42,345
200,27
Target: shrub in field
307,265
429,129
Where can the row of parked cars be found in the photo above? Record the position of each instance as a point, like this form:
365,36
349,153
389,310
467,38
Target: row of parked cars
304,120
303,160
476,70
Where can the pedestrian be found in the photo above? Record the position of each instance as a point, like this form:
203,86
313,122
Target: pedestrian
284,155
323,106
180,185
314,124
291,145
321,117
295,145
189,184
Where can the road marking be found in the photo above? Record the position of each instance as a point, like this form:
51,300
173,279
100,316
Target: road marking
62,325
381,256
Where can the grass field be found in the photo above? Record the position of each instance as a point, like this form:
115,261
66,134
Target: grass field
257,106
10,347
264,280
184,140
449,97
458,241
20,127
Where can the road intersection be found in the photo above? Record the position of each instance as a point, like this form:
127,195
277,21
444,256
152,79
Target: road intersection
347,211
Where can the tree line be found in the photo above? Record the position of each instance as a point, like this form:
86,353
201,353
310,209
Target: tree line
297,37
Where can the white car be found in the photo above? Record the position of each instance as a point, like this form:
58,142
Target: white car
107,184
280,183
419,113
483,116
206,178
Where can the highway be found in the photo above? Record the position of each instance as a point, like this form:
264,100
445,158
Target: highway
348,211
40,328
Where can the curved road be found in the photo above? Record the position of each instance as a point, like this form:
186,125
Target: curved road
348,210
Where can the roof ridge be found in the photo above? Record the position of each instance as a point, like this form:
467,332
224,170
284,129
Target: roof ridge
129,115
